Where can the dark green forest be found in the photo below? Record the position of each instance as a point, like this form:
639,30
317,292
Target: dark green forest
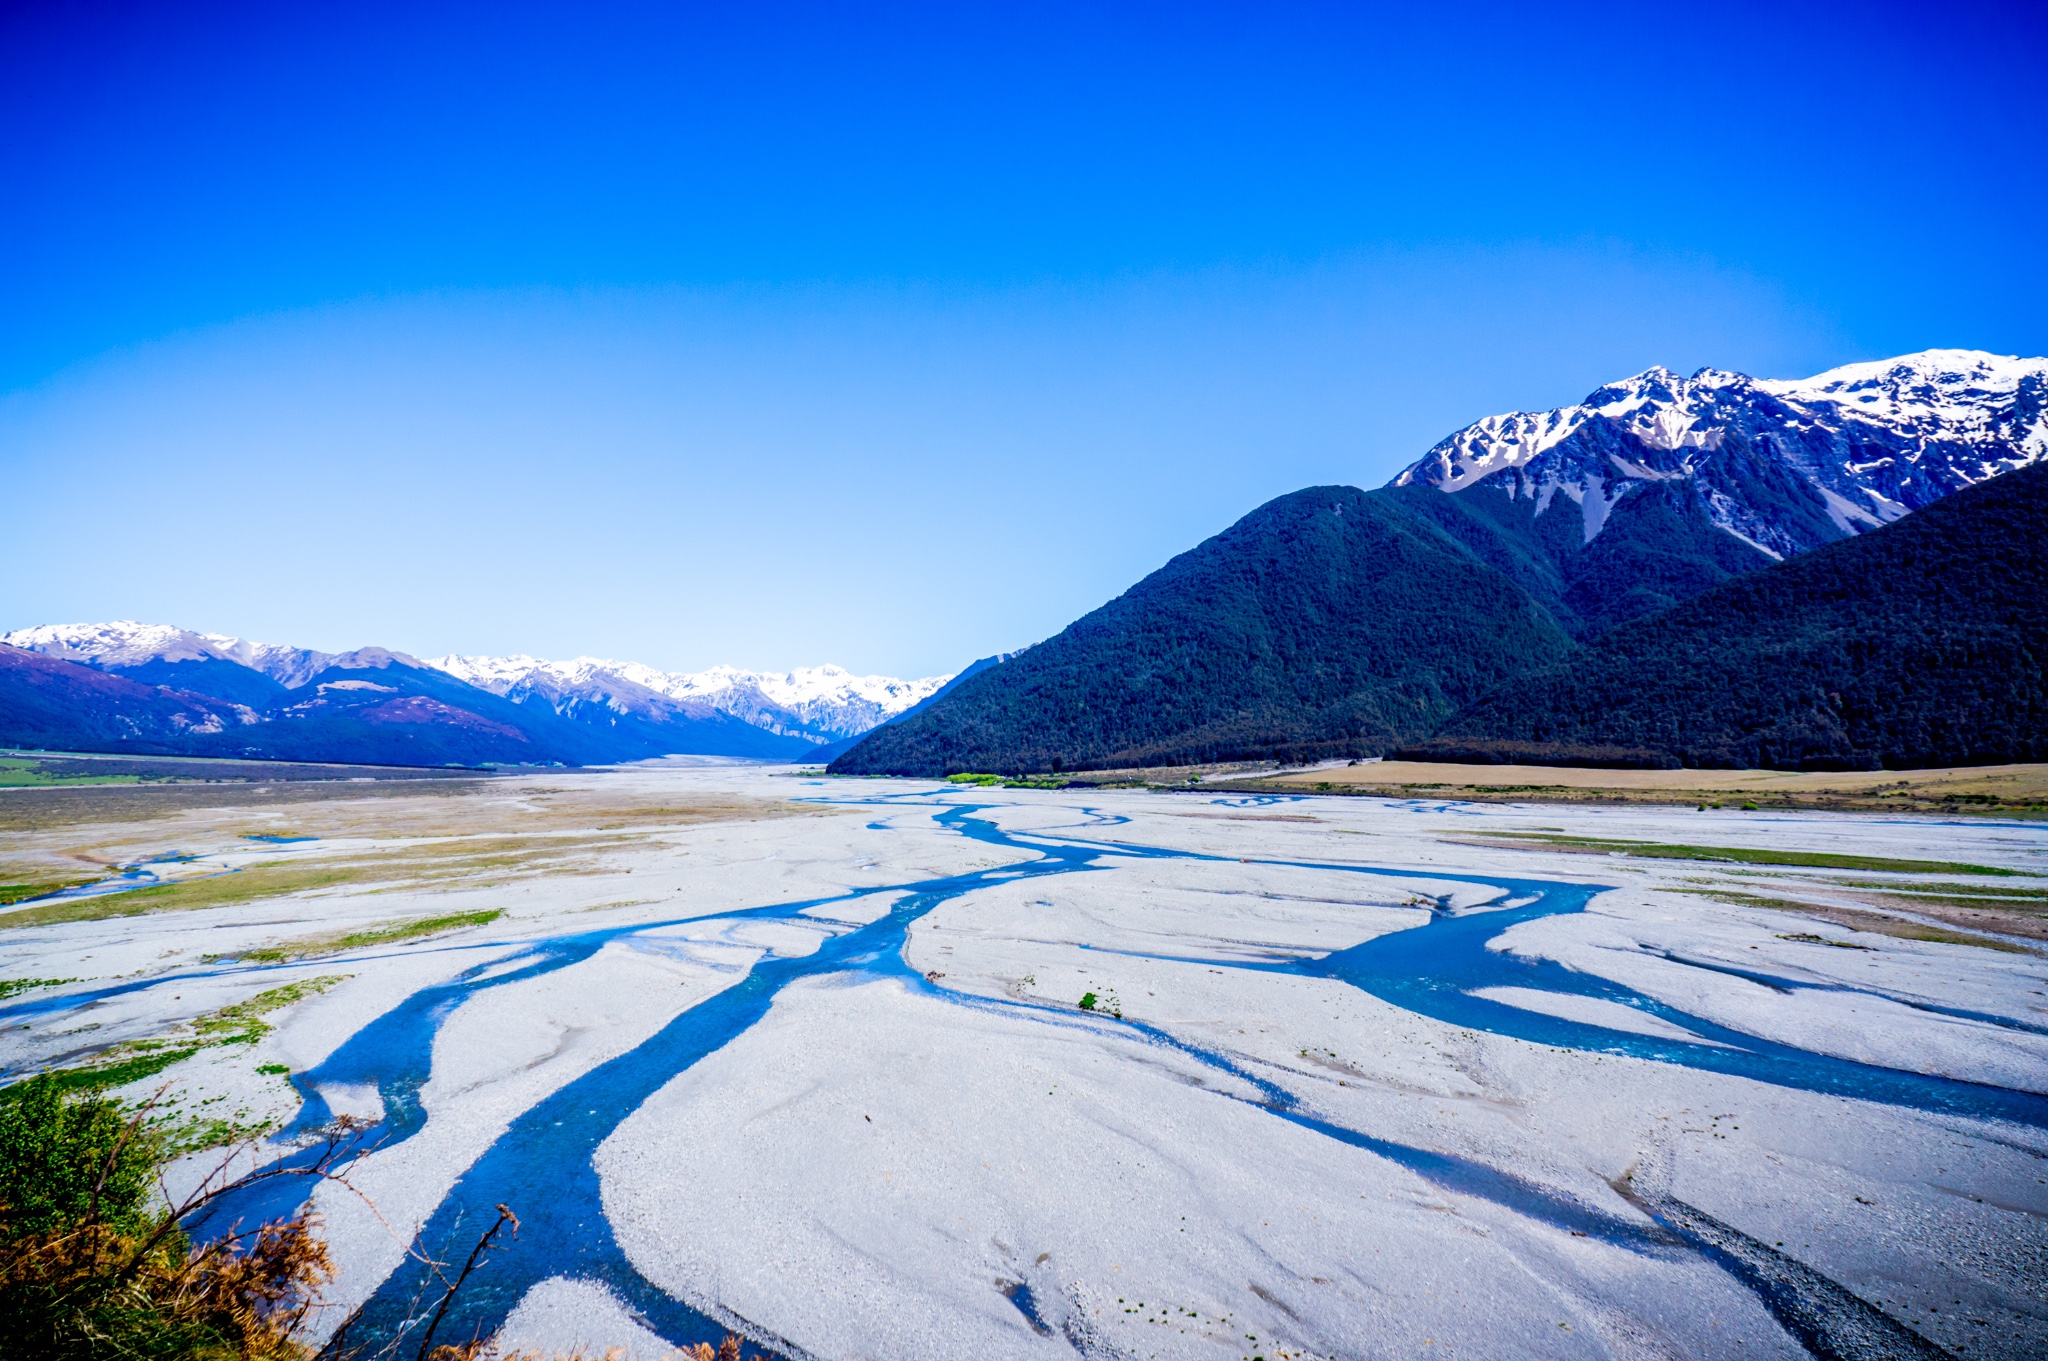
1919,644
1338,622
1328,622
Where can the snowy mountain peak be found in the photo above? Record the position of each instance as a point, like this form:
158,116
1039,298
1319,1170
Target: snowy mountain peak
1968,395
290,667
814,703
1869,441
124,642
820,702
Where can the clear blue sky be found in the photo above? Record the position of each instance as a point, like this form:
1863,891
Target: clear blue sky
897,335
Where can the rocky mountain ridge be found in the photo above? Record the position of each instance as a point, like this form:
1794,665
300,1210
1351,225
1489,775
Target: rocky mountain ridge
200,693
1515,572
823,703
1781,465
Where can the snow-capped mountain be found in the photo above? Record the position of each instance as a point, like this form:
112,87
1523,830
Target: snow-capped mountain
124,644
822,703
1783,465
587,709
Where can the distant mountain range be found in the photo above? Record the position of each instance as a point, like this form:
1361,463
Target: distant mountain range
155,688
817,704
1334,621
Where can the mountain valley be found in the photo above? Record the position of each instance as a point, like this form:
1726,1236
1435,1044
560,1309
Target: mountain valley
1568,543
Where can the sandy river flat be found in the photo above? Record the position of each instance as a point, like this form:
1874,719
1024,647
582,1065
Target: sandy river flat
1357,1077
2014,786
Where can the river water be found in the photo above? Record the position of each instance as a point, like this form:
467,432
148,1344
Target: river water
542,1165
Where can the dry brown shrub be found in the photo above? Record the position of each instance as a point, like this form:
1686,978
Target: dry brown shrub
98,1291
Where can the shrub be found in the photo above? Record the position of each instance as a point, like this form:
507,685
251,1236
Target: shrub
93,1266
90,1267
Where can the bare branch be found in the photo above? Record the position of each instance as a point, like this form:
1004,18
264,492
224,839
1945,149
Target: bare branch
504,1215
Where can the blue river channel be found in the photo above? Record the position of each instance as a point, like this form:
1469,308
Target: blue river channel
542,1166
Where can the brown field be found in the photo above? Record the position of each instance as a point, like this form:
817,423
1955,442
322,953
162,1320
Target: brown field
440,834
2009,790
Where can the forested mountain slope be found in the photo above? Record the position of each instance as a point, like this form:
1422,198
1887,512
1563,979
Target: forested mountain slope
1298,633
1924,643
1331,621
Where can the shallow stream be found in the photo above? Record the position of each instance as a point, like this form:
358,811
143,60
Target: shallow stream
542,1165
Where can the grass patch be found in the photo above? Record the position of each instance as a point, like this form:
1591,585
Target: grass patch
1742,855
1874,922
442,862
1923,902
384,933
1980,891
14,987
1106,1001
220,890
19,773
1011,781
241,1023
14,893
1809,938
421,926
153,1058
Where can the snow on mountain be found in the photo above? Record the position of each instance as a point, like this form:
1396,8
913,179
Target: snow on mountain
572,688
1986,402
819,702
125,643
1867,442
825,701
290,667
121,643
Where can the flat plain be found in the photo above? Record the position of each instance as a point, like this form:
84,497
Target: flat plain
2013,791
869,1068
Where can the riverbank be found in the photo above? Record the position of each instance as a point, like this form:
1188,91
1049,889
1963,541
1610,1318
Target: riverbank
2008,791
1354,1076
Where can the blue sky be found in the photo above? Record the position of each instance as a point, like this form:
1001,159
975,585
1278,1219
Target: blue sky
898,335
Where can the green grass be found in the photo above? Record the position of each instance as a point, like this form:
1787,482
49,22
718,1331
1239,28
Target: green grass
12,987
1010,781
241,1023
1742,855
99,1076
1808,938
385,933
1907,902
2039,895
1875,923
17,773
14,893
277,878
267,880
